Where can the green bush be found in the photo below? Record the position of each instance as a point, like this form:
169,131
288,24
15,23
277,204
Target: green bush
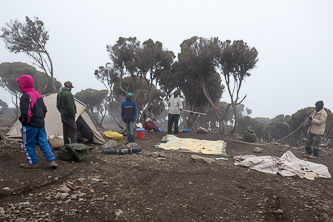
249,136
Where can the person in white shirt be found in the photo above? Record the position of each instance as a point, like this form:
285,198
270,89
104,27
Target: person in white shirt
175,106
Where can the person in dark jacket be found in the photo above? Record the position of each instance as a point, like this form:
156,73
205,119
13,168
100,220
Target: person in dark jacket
33,111
128,115
83,131
66,106
149,110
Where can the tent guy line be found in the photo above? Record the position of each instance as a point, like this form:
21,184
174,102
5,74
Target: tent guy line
261,144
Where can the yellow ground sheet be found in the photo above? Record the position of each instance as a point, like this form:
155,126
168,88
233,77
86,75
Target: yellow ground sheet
193,145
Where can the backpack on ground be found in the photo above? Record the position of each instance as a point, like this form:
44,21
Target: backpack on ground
150,125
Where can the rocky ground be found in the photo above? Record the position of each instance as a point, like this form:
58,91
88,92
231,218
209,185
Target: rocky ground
157,185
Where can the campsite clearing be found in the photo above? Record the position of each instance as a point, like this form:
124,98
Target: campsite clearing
160,185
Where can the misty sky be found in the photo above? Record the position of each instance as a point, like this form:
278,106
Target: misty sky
294,40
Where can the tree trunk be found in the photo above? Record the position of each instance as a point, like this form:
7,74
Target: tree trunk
2,136
215,108
235,124
51,72
115,119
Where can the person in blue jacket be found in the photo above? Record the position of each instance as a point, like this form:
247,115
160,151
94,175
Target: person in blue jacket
128,115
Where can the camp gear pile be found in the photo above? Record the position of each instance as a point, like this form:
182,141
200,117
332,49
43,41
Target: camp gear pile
130,150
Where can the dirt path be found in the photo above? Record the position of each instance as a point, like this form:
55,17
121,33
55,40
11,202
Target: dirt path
157,185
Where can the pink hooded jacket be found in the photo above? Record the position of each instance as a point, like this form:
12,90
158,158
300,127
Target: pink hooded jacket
32,106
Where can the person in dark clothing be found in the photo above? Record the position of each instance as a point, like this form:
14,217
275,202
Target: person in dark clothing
66,106
150,113
33,111
83,131
128,115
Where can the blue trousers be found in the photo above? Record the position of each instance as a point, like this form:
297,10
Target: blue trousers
130,131
29,135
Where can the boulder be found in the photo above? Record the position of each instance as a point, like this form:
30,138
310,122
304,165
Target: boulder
200,159
202,130
131,145
257,150
64,189
56,141
111,144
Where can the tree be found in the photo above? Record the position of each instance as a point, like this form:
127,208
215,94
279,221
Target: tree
135,86
109,76
197,59
296,120
9,72
195,100
96,101
122,57
142,63
234,62
30,38
263,120
276,131
3,106
247,122
278,119
151,60
170,80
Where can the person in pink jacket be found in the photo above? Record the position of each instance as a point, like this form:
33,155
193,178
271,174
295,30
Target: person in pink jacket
33,111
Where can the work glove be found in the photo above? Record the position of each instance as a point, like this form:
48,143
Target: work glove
124,121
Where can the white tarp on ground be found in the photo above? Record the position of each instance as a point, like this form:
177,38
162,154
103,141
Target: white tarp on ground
53,124
287,165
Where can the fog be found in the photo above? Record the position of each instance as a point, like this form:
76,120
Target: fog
293,38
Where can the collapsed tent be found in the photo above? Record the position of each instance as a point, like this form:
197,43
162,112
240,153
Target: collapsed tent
287,165
193,145
53,124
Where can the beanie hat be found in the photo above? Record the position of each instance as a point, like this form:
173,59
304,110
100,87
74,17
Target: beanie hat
128,95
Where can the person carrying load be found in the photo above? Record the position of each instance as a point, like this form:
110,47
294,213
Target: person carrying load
316,130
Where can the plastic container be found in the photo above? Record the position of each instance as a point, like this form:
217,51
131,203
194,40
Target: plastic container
186,130
140,133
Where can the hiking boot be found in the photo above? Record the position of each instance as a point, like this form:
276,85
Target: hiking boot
53,164
311,156
29,166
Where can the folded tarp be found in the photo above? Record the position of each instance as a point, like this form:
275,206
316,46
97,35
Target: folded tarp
193,145
287,165
74,151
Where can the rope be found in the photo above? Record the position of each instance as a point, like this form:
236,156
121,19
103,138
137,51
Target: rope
261,144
